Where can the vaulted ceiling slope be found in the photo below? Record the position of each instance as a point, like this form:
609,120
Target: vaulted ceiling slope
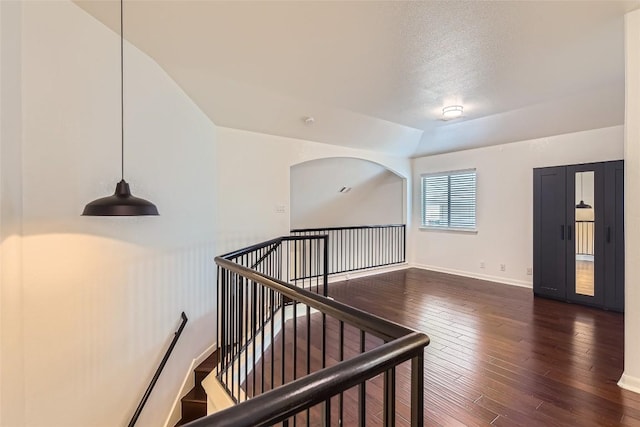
376,75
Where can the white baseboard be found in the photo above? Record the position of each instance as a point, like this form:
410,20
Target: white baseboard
630,383
187,384
497,279
341,277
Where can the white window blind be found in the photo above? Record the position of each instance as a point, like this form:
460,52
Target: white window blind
449,200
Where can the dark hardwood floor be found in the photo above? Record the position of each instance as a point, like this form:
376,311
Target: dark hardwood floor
499,356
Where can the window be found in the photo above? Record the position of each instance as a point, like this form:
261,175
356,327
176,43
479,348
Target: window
449,200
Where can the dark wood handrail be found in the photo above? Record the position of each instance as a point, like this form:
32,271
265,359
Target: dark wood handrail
266,255
303,393
262,245
351,227
377,326
154,380
252,248
238,274
361,247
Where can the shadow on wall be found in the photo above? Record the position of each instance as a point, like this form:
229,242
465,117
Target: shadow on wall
105,310
376,195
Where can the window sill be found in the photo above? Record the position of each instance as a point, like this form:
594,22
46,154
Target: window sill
450,230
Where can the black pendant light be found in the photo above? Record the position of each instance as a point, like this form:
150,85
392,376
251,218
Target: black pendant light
582,204
122,202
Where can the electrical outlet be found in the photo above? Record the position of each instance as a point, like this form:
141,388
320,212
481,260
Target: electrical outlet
529,271
503,267
482,264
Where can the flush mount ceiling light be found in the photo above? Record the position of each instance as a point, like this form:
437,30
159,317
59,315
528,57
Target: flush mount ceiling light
122,202
452,112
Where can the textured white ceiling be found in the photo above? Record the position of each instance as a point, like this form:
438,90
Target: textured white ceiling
376,75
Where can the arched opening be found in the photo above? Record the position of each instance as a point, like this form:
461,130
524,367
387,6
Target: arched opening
343,191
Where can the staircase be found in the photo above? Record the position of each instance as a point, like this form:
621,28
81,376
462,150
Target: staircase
288,353
194,403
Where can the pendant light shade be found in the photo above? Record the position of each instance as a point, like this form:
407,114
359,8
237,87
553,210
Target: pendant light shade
122,202
582,204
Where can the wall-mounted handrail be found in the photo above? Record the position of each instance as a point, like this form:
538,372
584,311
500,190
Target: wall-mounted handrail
154,380
303,393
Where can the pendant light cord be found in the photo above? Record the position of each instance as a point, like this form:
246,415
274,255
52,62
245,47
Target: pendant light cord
121,90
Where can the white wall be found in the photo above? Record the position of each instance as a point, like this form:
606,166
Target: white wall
504,202
101,297
89,305
631,377
376,195
584,188
254,174
11,319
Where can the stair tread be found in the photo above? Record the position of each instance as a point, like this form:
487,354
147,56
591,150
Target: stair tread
194,403
195,395
208,364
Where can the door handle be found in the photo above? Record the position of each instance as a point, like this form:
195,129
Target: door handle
568,232
562,232
608,234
